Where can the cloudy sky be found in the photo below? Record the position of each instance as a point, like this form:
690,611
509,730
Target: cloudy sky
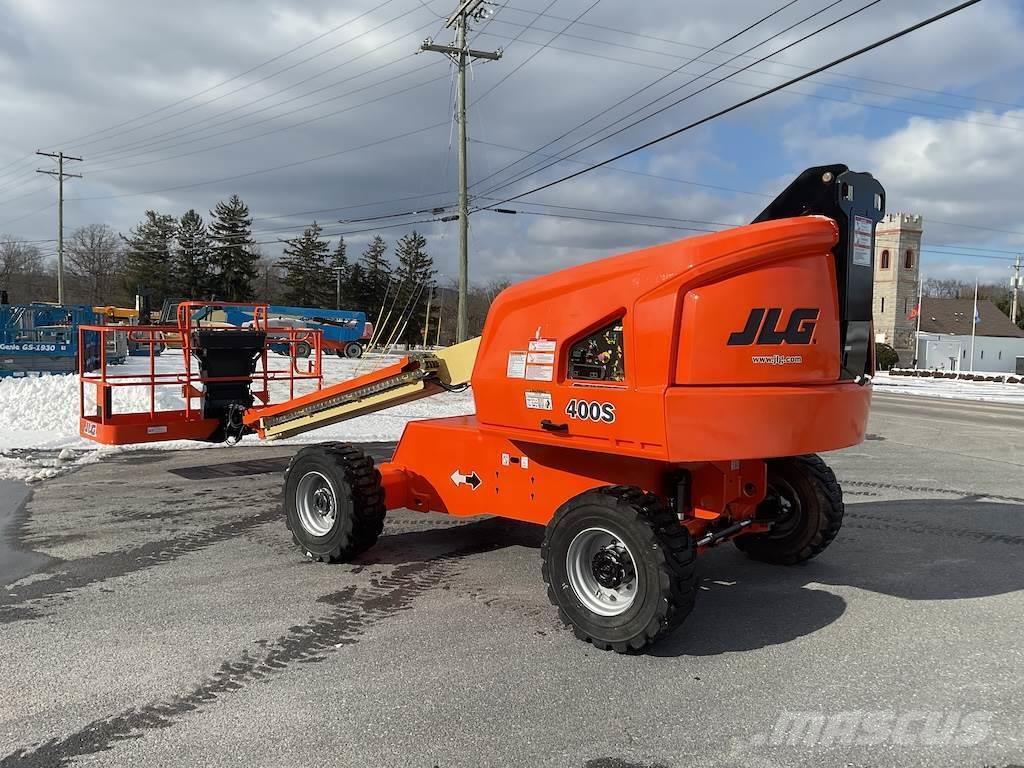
324,110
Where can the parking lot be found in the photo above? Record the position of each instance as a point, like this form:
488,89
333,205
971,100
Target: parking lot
155,612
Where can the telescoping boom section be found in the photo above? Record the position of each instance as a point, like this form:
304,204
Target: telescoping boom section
413,377
643,407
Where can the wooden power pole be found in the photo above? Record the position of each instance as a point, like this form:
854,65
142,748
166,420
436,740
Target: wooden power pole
1016,291
60,157
460,54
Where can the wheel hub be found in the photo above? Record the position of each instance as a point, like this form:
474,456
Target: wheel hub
601,571
612,567
316,504
782,509
323,501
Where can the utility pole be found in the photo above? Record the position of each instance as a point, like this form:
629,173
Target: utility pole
60,157
461,55
1016,290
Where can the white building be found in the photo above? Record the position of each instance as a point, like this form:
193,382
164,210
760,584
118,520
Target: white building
945,340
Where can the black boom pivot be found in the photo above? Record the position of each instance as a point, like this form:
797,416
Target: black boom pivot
228,357
856,201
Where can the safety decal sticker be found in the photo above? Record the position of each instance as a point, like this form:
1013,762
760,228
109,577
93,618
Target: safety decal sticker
538,401
541,358
516,365
862,241
540,372
542,345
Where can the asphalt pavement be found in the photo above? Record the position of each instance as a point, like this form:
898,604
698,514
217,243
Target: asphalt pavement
154,612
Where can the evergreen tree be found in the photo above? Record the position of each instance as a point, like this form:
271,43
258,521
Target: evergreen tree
233,258
341,273
149,256
354,290
415,275
308,278
375,276
192,268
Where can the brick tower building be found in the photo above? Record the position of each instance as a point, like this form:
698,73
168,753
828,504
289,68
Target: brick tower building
897,267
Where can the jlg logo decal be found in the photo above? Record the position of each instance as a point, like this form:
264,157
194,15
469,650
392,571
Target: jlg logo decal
763,327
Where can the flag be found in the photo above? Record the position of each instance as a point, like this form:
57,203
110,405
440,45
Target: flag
914,312
977,315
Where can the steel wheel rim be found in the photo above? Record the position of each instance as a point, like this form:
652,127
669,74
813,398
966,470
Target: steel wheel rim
594,544
316,504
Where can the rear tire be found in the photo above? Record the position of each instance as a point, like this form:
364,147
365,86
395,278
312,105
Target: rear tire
303,350
810,514
619,567
353,349
333,501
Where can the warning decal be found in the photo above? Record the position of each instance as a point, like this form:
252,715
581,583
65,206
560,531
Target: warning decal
516,365
540,373
862,241
538,401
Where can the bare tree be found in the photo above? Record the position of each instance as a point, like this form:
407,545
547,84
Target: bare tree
95,259
948,288
22,269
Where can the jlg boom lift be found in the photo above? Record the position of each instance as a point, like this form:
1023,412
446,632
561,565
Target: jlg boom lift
642,407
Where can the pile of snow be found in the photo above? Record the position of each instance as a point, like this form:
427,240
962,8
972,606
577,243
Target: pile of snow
950,389
39,416
927,373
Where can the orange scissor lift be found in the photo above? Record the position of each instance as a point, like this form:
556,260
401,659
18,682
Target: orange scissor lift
642,407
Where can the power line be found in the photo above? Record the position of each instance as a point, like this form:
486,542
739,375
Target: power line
757,97
538,167
926,248
30,213
205,123
308,121
294,164
619,169
650,85
788,65
533,55
331,31
821,83
806,94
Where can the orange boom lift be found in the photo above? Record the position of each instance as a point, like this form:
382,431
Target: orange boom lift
642,407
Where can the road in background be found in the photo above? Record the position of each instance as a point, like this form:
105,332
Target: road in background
179,626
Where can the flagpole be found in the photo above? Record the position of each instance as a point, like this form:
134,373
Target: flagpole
917,333
974,322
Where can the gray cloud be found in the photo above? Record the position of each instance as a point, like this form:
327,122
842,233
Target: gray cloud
68,70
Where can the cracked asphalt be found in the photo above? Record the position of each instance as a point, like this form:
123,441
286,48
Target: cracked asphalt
153,612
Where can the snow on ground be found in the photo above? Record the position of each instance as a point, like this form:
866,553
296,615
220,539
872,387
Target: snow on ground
949,389
39,416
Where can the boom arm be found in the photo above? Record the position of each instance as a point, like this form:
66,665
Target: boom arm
413,377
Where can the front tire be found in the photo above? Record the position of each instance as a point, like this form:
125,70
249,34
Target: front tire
806,502
619,567
333,501
353,349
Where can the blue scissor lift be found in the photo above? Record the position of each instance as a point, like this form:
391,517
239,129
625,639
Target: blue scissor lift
39,339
